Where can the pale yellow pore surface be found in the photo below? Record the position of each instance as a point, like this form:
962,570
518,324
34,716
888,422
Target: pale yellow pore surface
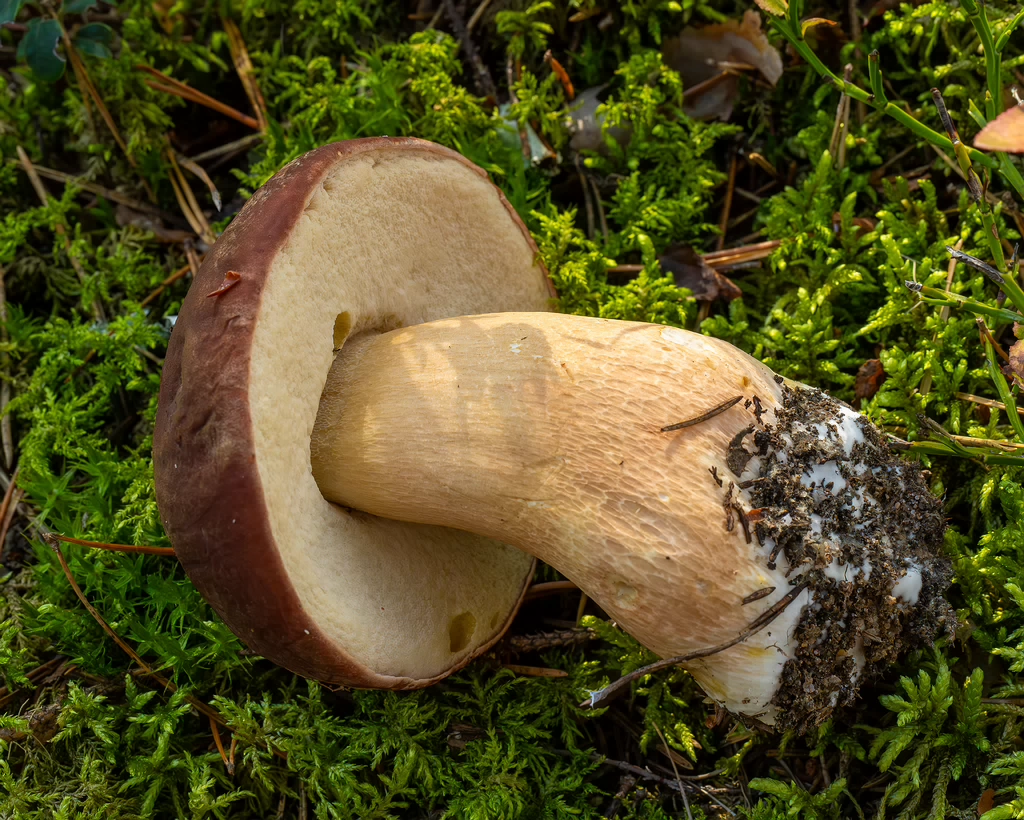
389,239
544,431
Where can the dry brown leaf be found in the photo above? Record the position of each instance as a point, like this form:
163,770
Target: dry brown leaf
698,55
689,270
1004,133
1016,366
869,379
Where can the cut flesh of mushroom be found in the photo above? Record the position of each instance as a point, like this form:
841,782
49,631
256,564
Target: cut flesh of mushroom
545,432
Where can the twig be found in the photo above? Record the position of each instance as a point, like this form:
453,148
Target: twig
581,607
730,185
477,15
742,255
100,545
1004,390
853,8
6,694
600,207
586,200
6,433
986,336
187,200
707,414
200,172
984,402
227,148
193,258
675,769
1010,286
86,84
705,86
37,184
837,145
639,771
970,441
765,618
179,89
6,503
524,140
174,277
204,708
243,65
228,764
926,379
485,82
536,671
549,588
54,543
99,190
548,640
761,162
959,149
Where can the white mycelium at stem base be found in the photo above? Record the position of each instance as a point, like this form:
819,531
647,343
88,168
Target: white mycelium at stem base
544,431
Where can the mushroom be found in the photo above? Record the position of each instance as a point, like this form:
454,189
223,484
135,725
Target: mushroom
373,422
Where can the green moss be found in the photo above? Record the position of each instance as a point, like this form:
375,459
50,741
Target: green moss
101,741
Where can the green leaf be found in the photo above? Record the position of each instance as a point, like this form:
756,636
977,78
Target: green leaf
99,32
94,40
79,6
39,49
9,10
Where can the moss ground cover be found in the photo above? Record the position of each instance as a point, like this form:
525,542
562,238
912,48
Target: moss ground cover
855,199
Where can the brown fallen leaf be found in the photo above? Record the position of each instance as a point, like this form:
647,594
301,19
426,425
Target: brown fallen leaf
1016,365
1004,133
869,379
987,801
689,270
703,54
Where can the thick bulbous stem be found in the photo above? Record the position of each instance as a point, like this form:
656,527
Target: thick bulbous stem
544,431
549,432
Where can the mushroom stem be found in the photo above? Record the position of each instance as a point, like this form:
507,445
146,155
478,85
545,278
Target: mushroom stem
545,431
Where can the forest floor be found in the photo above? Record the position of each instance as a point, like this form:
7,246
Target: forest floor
771,174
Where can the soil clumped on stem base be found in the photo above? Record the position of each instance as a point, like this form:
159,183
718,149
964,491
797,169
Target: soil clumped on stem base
834,507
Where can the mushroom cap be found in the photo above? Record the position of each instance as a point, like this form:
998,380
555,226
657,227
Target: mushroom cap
356,237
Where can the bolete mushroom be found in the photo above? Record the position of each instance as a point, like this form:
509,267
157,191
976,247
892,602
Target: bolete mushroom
373,421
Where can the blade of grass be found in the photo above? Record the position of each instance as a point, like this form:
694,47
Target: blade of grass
246,73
